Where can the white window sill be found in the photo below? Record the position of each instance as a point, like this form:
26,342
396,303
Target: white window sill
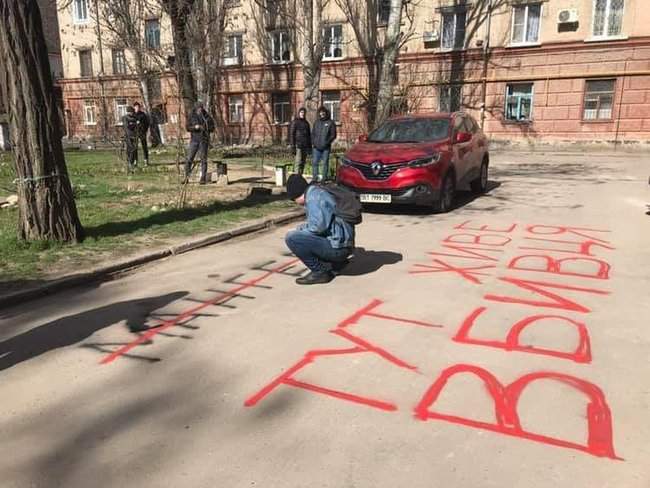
333,59
279,63
451,50
90,124
523,44
281,124
81,22
607,38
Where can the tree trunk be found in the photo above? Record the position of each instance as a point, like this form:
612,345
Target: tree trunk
312,56
390,53
46,204
178,11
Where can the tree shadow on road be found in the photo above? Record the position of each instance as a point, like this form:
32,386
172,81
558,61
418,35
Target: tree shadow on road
366,262
73,329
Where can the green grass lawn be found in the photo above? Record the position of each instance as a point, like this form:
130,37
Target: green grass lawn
124,213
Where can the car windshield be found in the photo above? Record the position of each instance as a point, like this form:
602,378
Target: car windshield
411,130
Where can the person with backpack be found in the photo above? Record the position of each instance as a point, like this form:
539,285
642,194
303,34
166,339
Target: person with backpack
322,136
130,124
300,140
326,241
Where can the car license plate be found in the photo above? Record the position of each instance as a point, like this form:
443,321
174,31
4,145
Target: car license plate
375,198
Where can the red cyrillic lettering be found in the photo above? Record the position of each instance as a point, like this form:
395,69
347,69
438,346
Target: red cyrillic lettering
485,228
552,265
479,239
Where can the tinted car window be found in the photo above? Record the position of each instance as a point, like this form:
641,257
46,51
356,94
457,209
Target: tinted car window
411,130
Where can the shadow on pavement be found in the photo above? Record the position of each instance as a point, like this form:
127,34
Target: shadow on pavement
75,328
365,262
462,198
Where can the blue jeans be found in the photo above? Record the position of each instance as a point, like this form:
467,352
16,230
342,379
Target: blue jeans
319,156
315,251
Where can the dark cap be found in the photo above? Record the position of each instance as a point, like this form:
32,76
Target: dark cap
296,186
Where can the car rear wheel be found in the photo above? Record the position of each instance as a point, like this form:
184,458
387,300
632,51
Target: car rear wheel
447,192
479,185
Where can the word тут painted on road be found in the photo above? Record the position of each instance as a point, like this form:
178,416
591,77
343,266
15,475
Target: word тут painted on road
570,260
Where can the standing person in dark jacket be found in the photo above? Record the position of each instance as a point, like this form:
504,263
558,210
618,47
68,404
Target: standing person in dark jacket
143,128
300,140
322,137
200,124
130,124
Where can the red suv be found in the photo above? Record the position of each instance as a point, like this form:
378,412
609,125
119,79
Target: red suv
418,159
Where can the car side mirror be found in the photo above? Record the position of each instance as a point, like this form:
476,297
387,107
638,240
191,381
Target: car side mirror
363,137
462,137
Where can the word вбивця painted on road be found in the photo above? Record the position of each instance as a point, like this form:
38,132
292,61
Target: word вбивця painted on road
552,251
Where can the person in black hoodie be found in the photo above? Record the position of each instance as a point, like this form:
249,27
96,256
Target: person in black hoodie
130,124
322,137
200,125
300,140
143,128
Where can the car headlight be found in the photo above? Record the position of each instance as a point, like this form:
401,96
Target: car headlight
345,161
421,163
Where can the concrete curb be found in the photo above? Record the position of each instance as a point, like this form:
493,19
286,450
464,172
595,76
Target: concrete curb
134,262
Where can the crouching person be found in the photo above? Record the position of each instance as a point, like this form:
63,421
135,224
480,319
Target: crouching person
325,242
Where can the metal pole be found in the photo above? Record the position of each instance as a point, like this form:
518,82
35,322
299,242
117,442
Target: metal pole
486,55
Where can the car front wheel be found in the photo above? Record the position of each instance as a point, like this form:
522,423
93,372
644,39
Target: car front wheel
479,185
447,192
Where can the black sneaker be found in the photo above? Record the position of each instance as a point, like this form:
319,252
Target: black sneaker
339,266
316,278
138,328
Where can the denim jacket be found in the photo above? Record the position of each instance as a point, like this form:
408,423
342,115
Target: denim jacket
320,206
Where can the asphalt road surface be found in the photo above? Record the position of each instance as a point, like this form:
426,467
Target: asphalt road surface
505,344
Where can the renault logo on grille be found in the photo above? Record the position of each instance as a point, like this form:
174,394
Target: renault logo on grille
376,168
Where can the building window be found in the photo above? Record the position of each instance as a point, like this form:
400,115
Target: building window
236,109
120,110
332,102
80,11
89,113
599,99
233,51
333,41
280,47
119,62
154,86
449,97
608,18
383,12
453,30
85,63
152,33
281,108
525,23
519,101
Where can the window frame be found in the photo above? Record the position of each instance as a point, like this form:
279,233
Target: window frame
119,61
527,6
76,19
584,101
119,114
231,104
330,105
381,22
239,49
286,107
605,35
283,36
147,34
532,103
81,52
455,13
89,104
450,86
332,46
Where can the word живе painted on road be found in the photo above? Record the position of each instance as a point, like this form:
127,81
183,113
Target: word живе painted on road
568,260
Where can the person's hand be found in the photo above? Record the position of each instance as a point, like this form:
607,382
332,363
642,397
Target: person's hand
197,126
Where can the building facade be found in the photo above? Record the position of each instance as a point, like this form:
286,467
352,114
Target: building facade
52,40
531,70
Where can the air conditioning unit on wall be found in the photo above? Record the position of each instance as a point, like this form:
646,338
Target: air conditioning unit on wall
567,16
431,36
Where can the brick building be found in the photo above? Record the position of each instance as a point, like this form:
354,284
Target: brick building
534,70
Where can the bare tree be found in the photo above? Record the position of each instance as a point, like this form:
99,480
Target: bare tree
310,33
124,23
47,208
390,52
